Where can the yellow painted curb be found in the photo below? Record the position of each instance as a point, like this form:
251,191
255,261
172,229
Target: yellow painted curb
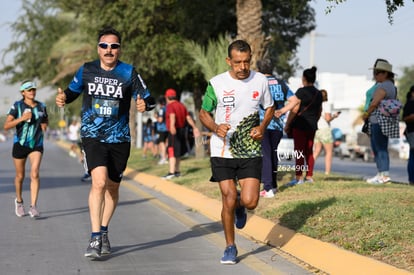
324,256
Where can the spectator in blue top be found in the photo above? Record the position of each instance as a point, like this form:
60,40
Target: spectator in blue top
148,136
274,131
162,131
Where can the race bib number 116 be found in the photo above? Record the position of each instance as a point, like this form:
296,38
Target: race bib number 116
105,107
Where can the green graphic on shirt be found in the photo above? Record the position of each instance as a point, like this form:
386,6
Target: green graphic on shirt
241,144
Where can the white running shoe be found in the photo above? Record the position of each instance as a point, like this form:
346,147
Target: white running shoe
267,194
33,212
162,161
378,179
19,208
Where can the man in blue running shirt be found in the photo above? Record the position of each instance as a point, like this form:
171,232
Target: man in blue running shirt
108,85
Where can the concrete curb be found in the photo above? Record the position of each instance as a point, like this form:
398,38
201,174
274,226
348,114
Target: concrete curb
324,256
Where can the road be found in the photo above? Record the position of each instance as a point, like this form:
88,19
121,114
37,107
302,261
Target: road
150,233
360,169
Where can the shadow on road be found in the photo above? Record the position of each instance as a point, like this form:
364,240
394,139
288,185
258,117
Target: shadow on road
194,232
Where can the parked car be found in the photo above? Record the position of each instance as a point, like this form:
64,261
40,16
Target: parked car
285,149
399,147
341,151
355,148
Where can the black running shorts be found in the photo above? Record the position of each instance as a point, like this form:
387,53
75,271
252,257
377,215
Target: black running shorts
114,156
162,137
21,152
225,168
177,144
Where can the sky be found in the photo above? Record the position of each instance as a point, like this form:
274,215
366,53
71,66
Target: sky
11,11
10,93
355,33
348,40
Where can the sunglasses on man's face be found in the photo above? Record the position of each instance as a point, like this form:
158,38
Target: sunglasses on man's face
104,45
378,72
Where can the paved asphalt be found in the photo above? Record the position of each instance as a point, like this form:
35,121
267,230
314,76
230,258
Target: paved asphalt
150,233
360,169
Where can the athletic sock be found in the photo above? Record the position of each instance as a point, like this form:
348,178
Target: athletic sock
95,234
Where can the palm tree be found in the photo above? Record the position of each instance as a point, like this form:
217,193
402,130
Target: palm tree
249,27
210,59
70,52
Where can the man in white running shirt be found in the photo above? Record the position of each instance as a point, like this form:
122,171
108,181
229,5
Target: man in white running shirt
236,158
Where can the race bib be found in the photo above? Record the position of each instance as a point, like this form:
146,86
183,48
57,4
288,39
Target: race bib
105,107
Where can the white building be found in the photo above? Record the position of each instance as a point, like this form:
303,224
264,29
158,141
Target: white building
346,93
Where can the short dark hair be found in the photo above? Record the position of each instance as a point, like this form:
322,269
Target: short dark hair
310,74
109,30
409,94
239,45
324,95
265,66
161,100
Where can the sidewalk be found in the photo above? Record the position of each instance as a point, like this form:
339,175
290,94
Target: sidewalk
324,256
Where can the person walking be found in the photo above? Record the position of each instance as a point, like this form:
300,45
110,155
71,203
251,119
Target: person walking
86,174
323,136
382,127
176,117
74,139
235,148
305,110
408,117
107,85
274,131
30,119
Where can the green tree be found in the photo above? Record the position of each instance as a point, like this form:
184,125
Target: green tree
285,23
274,29
154,31
249,27
405,82
35,32
62,34
210,60
392,6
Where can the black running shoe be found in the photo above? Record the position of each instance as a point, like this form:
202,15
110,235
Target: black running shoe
86,177
106,246
94,248
168,176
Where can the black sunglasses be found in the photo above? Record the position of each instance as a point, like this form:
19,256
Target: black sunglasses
104,45
378,72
